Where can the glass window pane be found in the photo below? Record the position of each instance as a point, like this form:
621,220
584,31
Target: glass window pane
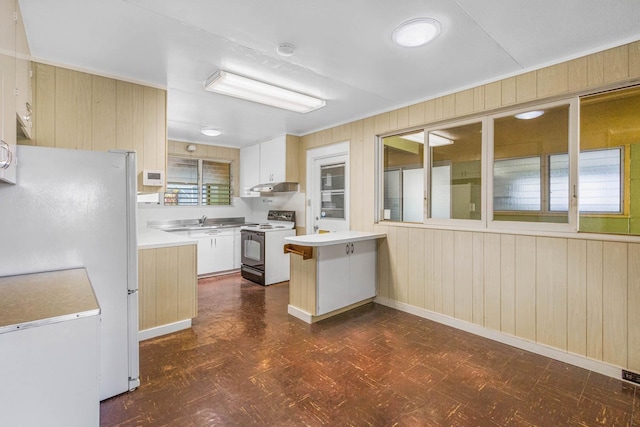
559,182
403,162
182,182
516,184
216,183
610,172
332,191
456,172
600,181
526,186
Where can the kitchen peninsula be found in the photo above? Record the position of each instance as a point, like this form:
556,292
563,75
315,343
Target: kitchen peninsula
167,281
331,273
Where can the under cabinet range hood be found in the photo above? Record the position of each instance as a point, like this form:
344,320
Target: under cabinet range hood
276,187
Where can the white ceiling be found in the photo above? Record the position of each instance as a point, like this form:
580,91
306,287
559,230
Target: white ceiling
343,51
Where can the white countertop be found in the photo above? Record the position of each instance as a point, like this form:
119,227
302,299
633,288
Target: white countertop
150,238
328,239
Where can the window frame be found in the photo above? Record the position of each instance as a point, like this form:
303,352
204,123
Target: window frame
572,149
200,184
457,222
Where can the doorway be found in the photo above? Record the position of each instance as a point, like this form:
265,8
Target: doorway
328,188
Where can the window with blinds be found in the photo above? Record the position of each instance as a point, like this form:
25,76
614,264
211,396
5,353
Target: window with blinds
216,183
193,182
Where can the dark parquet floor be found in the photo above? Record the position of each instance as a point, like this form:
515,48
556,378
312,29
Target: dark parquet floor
246,362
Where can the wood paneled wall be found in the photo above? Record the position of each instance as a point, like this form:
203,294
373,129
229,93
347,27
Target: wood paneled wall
210,152
168,285
577,295
573,294
83,111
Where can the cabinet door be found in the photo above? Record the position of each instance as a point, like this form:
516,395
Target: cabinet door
333,278
273,160
237,249
362,271
205,256
249,168
222,253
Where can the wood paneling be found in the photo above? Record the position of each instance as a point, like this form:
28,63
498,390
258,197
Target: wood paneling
82,111
614,303
448,271
492,310
304,273
168,283
416,268
478,278
594,300
577,297
463,275
209,152
551,292
525,284
572,294
507,284
632,307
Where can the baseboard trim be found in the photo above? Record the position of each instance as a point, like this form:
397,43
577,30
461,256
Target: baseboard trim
521,343
299,314
164,329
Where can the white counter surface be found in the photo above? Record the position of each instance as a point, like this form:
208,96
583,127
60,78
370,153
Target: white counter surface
150,238
328,239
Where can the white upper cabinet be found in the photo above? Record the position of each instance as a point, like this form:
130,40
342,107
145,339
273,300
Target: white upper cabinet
273,160
249,169
262,164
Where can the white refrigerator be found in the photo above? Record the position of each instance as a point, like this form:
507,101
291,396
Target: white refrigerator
73,208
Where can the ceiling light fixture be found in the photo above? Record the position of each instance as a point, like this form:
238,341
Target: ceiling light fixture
285,49
529,115
238,86
416,32
438,141
211,132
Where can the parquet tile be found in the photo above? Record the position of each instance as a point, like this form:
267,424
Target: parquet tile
246,362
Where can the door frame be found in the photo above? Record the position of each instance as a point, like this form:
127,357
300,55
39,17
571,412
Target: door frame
327,151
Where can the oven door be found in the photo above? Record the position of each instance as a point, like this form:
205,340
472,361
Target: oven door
252,249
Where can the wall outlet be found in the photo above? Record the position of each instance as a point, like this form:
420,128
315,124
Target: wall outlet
631,376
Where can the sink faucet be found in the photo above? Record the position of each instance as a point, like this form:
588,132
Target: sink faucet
202,220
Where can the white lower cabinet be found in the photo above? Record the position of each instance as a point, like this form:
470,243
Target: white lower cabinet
346,274
216,253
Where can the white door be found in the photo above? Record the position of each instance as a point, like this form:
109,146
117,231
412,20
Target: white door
328,188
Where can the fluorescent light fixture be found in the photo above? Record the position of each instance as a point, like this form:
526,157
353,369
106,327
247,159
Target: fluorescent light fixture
238,86
434,139
211,132
415,137
529,115
437,140
416,32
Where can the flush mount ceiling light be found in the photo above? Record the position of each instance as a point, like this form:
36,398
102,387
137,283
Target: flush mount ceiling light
211,132
285,49
242,87
416,32
529,115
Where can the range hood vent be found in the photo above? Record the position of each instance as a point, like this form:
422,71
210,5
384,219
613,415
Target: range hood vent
276,187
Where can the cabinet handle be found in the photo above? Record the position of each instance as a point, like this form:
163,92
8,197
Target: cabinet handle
352,248
4,164
347,249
